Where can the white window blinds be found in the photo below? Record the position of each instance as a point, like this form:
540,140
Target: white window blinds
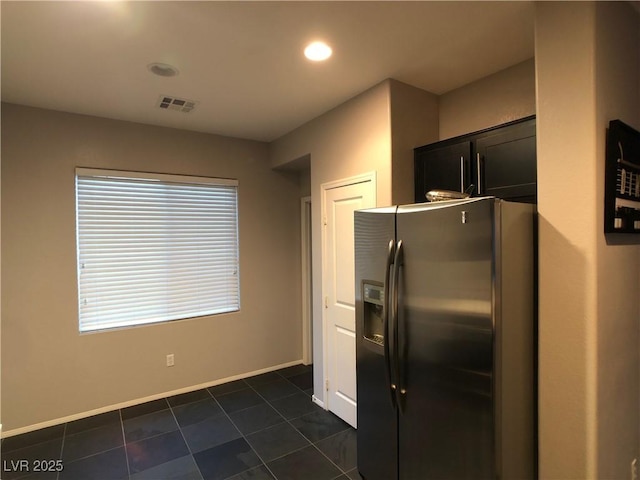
154,248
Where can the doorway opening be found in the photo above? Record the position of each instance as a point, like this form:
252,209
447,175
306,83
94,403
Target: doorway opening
307,281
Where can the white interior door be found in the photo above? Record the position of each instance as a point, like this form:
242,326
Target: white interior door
339,203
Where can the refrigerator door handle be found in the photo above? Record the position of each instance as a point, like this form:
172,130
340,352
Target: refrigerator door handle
478,172
385,322
397,263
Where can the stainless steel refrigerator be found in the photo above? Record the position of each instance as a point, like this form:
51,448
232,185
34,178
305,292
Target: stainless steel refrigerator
445,340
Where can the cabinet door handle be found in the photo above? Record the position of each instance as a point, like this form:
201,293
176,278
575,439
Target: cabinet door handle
478,173
461,174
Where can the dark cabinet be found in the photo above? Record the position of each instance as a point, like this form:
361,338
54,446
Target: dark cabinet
500,161
506,160
445,167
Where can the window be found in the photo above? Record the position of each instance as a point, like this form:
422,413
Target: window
154,248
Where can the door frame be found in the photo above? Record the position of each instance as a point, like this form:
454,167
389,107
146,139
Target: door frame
344,182
306,280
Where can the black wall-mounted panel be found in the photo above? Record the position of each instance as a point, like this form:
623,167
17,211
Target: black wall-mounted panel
622,179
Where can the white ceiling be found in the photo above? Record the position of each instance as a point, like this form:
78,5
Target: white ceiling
242,61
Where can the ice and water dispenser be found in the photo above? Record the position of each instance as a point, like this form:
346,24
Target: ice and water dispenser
373,296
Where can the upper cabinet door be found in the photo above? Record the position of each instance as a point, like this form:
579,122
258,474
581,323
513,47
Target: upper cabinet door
499,161
506,162
443,167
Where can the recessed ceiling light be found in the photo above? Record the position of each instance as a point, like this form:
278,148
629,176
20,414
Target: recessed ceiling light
163,69
317,51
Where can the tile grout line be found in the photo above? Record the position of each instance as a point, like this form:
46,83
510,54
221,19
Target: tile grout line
325,455
30,445
276,378
226,414
64,436
342,472
63,440
157,434
183,437
94,454
178,428
124,443
285,420
244,437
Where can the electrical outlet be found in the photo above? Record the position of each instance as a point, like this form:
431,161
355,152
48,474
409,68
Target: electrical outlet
634,469
170,360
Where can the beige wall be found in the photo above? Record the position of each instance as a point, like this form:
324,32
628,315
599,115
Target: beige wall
567,240
618,280
49,371
305,182
590,307
589,302
414,122
375,131
499,98
350,140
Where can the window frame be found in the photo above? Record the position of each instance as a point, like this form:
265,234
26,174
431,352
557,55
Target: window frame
168,181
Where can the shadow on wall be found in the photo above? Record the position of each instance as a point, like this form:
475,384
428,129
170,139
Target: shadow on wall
564,351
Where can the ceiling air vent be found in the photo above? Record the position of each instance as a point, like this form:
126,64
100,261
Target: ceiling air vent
178,104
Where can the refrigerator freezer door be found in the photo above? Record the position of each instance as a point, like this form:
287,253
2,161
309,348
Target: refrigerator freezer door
377,416
445,340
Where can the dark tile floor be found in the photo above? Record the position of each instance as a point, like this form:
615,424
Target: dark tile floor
263,427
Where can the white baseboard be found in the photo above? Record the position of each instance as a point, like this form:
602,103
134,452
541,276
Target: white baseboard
137,401
318,402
